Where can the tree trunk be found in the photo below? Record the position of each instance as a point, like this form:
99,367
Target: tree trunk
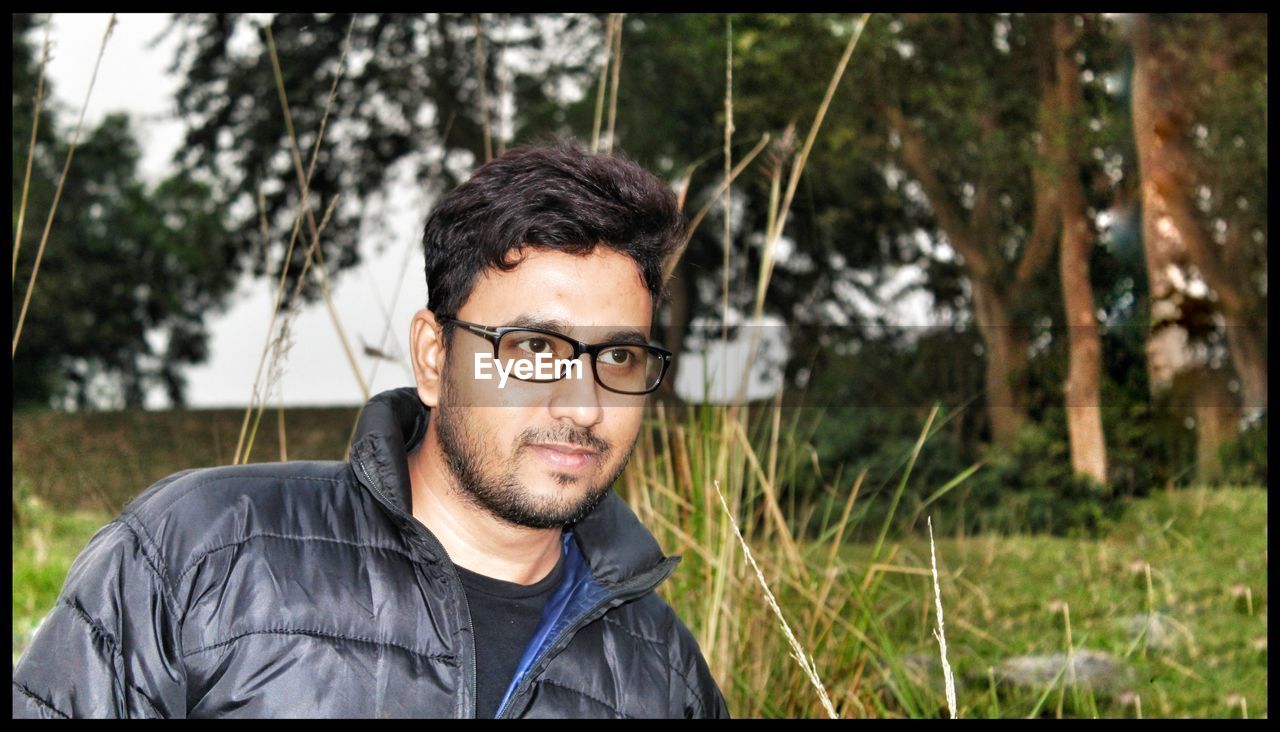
1005,341
1249,355
1172,239
1083,400
1006,361
1216,416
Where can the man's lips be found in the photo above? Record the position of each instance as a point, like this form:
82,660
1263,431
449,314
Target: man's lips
562,447
565,457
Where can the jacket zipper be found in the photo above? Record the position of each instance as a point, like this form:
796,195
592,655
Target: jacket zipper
469,658
636,588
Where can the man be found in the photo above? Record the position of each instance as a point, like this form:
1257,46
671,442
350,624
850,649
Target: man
471,559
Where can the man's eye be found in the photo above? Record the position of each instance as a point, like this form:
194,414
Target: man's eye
618,357
535,345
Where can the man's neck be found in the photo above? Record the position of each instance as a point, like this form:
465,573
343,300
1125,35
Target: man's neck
474,538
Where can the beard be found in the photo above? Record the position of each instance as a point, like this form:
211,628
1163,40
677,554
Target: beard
486,481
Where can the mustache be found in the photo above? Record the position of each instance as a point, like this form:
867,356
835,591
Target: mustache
576,437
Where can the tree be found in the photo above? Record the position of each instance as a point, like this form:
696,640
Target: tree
964,147
1062,121
1199,118
408,98
129,272
847,221
963,108
935,98
411,95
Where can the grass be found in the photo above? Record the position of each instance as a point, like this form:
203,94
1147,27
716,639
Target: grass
45,542
864,612
1007,596
99,460
864,617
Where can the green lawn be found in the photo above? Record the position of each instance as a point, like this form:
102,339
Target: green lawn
1002,597
1009,596
45,542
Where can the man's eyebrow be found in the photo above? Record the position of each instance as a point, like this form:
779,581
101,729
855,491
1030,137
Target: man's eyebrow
560,326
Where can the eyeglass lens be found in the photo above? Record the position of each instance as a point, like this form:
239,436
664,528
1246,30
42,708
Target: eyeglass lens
626,368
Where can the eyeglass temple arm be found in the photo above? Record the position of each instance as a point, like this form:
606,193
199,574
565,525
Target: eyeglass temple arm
474,328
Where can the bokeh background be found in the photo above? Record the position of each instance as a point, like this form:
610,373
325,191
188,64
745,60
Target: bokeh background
1003,275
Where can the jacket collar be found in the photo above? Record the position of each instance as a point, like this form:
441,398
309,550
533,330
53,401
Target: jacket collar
611,538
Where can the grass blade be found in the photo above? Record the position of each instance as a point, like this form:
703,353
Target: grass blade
31,154
941,633
902,484
57,194
804,659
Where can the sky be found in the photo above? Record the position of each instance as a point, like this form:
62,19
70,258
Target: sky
133,78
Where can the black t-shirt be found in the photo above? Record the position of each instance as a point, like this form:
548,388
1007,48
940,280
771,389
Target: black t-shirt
504,615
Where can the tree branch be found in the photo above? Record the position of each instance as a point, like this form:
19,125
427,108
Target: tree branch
953,221
1038,251
983,216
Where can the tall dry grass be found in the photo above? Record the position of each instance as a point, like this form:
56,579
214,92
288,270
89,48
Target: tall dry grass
275,345
62,179
702,481
702,475
712,482
31,154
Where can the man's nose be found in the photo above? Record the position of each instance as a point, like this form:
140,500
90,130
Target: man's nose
577,396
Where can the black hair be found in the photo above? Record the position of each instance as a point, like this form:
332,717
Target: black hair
557,197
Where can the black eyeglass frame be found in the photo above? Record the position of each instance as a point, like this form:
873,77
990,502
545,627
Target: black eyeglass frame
494,336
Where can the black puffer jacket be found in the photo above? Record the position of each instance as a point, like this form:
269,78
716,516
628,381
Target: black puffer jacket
307,589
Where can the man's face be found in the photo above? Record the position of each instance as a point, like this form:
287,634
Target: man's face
542,455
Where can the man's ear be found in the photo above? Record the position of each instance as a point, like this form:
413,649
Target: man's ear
427,351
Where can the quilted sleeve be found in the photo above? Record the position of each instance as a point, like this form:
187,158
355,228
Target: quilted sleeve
701,697
109,647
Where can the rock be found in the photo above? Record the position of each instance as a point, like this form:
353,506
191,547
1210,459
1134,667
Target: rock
925,670
1162,633
1101,672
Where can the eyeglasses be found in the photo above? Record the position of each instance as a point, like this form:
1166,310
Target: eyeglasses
623,367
